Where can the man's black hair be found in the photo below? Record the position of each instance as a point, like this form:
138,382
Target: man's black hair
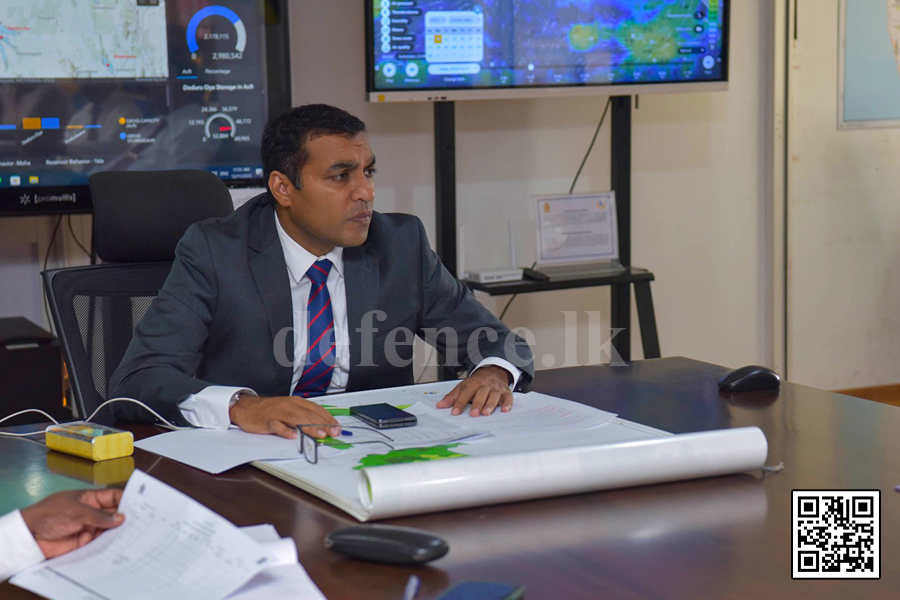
285,137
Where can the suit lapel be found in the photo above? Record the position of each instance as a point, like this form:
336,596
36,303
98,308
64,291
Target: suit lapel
361,282
271,277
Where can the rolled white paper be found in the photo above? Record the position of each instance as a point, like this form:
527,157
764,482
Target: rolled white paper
430,486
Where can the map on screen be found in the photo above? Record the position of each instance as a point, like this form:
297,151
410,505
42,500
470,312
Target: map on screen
453,44
142,85
55,39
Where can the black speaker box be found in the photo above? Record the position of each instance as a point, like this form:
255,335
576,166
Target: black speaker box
31,373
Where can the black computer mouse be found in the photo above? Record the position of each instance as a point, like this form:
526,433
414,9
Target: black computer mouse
387,544
752,378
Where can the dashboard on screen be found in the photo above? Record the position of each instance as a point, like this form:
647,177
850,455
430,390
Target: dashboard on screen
89,86
434,49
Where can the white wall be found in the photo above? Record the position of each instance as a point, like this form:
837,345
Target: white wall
843,223
699,191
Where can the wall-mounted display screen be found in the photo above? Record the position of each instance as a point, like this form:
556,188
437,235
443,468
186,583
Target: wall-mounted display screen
89,86
435,49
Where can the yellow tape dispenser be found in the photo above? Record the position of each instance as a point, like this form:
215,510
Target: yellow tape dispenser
90,440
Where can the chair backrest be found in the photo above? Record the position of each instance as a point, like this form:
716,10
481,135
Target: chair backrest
139,216
96,309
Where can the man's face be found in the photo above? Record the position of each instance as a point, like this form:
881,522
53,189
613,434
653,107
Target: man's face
333,207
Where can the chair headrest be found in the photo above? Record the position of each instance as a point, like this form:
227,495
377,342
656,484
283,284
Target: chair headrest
139,216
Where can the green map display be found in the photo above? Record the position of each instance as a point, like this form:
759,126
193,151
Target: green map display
409,455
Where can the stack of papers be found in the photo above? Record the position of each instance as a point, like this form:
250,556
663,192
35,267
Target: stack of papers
284,578
532,414
171,546
216,451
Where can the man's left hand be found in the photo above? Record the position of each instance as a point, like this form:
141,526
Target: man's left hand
486,389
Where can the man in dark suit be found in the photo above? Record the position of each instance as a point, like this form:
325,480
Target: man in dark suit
306,290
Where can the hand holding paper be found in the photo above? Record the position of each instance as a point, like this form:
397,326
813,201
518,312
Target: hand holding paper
68,520
169,546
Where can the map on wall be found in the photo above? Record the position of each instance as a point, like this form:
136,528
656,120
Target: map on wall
869,79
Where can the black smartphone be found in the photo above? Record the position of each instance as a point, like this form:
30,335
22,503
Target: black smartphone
383,416
483,590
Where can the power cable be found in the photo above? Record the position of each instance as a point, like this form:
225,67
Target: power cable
75,237
574,182
46,260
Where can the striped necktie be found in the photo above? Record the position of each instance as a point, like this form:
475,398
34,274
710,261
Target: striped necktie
320,335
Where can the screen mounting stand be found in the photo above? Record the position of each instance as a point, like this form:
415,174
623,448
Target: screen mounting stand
620,177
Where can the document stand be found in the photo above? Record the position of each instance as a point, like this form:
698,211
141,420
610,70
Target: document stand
620,178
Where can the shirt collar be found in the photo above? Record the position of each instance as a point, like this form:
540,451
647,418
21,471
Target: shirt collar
299,259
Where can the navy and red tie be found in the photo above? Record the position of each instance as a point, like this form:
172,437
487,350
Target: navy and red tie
320,334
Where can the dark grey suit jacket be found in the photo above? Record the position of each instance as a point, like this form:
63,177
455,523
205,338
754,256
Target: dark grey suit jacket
228,295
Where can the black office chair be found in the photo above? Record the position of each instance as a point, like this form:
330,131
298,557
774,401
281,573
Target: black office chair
138,219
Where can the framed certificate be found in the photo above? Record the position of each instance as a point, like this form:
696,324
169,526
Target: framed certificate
576,229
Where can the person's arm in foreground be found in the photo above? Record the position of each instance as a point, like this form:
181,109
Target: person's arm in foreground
56,525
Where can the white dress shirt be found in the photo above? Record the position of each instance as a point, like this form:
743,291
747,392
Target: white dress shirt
18,548
209,407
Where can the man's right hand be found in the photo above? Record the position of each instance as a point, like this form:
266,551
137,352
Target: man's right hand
68,520
281,415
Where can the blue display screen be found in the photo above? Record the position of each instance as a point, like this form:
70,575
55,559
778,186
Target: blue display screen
464,44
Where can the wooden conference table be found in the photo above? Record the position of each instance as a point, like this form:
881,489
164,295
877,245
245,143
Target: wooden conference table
728,537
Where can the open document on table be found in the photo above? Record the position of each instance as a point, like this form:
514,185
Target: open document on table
171,546
545,446
216,451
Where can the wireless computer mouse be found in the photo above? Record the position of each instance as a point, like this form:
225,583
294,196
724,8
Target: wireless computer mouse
387,544
752,378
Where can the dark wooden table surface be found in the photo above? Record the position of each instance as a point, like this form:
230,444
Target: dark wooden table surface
728,537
